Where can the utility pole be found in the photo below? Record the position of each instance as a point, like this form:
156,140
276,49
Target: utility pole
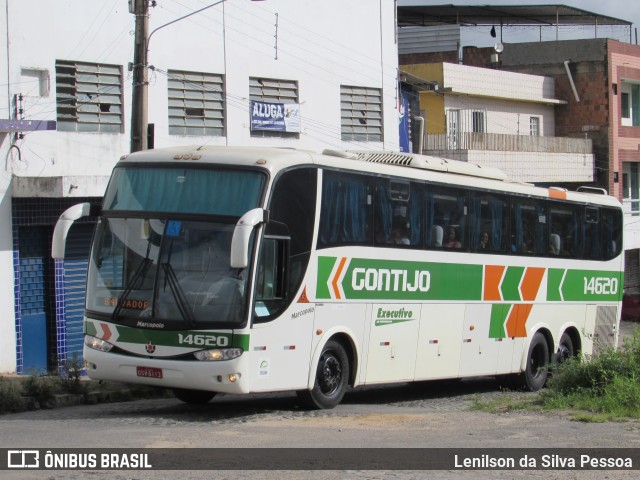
140,103
139,107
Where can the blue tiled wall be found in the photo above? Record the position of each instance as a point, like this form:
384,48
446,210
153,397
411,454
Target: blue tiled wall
28,216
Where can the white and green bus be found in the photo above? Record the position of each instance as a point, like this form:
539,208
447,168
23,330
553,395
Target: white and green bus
243,270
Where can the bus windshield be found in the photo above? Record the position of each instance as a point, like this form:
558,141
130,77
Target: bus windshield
184,190
165,268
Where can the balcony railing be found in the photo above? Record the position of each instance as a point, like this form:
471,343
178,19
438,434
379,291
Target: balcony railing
631,207
506,143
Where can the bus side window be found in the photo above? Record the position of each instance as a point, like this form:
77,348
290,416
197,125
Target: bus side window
602,233
565,230
488,222
398,209
345,217
288,241
610,232
528,227
447,208
271,282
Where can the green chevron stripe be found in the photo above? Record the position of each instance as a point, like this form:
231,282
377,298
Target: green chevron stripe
511,283
584,285
499,313
325,266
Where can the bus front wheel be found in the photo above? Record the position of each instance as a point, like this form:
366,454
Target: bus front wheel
193,397
537,368
331,378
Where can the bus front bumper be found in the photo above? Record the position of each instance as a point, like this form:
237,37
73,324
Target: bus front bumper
222,376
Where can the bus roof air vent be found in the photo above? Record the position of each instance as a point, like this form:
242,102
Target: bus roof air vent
599,191
339,153
426,162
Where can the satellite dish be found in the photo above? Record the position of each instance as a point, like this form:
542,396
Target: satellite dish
498,47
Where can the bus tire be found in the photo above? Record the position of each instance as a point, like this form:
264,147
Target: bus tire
537,367
332,375
566,349
193,397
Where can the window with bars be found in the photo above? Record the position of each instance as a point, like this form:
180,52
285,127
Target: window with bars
88,97
271,90
196,103
630,105
361,113
534,126
477,120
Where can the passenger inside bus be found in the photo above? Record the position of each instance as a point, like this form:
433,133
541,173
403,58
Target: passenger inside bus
554,244
399,232
483,246
452,241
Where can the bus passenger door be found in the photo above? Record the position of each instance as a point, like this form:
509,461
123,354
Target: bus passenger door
280,345
392,342
280,350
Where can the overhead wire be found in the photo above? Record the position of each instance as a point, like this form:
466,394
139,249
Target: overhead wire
303,62
83,43
285,26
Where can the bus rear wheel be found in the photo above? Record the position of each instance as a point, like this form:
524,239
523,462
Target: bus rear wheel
331,379
566,349
537,368
193,397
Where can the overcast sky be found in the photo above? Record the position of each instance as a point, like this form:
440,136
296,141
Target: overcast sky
623,9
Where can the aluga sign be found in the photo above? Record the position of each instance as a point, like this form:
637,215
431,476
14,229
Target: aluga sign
241,270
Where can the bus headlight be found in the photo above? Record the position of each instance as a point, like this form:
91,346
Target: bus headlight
218,354
97,343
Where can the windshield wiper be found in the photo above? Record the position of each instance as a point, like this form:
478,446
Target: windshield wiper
133,283
178,294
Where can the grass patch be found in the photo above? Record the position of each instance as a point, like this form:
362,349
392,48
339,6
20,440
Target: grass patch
10,396
602,388
507,402
605,387
67,385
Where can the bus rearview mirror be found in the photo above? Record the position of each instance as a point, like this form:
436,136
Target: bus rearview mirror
63,225
242,234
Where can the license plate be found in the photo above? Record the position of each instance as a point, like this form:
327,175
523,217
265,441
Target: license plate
149,372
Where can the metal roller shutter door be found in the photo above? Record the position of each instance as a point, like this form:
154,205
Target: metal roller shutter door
75,274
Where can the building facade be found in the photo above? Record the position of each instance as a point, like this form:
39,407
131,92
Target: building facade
500,119
599,79
213,78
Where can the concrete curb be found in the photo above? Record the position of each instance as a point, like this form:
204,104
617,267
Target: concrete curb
93,397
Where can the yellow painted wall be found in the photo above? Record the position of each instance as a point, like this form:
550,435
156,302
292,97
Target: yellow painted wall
430,102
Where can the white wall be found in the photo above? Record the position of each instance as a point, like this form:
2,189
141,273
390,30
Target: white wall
509,98
537,167
505,116
498,83
7,324
322,45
